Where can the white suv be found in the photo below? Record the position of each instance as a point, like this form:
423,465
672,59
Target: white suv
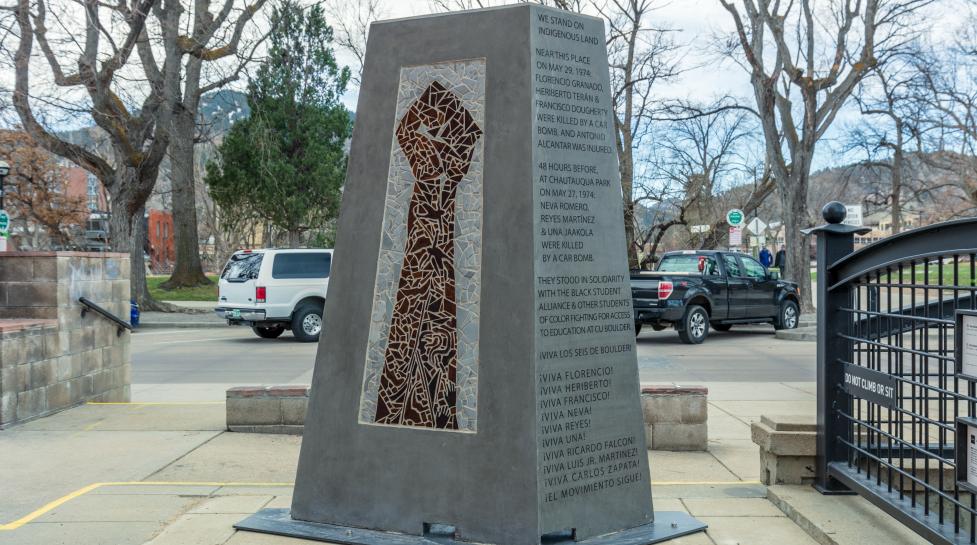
275,290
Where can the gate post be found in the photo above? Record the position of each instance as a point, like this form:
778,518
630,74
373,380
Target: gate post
835,241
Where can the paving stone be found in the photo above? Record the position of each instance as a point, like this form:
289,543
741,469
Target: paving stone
244,490
687,466
699,538
731,507
232,505
82,533
669,504
740,456
150,490
732,490
253,538
198,529
280,502
119,508
239,458
723,426
756,531
840,520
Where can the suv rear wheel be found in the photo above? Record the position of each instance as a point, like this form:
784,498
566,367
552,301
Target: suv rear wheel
307,323
695,325
268,332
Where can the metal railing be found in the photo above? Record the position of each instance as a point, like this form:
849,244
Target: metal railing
88,305
888,392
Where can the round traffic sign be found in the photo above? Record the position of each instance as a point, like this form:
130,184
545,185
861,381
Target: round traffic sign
735,217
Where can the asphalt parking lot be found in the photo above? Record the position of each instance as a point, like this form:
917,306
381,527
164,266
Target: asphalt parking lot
200,364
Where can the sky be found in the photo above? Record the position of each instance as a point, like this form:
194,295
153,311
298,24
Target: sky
696,25
694,22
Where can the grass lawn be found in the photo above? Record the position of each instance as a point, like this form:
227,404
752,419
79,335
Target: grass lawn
201,293
919,274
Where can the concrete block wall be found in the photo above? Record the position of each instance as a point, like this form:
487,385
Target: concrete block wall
676,417
788,448
51,357
267,409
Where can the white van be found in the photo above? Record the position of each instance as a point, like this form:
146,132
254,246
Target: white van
274,290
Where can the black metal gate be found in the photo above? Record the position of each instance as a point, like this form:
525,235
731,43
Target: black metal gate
889,396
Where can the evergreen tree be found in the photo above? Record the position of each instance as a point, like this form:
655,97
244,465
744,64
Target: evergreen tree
286,163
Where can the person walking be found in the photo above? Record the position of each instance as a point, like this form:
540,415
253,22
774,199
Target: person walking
781,260
766,258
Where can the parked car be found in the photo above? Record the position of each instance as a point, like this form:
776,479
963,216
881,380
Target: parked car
695,290
274,290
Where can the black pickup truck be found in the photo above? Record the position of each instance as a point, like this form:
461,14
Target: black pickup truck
693,290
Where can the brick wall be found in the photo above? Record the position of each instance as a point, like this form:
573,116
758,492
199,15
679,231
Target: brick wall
51,357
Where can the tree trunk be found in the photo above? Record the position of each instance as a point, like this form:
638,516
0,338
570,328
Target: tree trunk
794,201
294,238
897,163
127,234
187,271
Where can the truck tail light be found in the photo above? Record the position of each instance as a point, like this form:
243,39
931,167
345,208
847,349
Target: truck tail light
259,294
664,289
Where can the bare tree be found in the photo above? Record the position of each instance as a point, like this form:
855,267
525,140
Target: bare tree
948,88
794,52
640,59
891,131
351,21
213,54
137,130
700,158
458,5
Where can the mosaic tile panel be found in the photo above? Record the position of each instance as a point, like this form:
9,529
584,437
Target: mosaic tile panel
422,354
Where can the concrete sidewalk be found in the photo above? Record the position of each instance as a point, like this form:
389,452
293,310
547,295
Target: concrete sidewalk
167,473
200,319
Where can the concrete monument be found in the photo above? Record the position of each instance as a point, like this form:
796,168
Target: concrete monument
477,368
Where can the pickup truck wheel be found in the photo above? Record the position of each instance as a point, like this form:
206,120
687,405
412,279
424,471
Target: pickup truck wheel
787,317
270,332
695,325
637,328
307,323
722,327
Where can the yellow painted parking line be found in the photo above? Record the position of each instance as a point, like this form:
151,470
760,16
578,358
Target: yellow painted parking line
94,486
47,507
154,403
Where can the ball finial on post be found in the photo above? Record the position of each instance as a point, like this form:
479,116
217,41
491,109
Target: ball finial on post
834,212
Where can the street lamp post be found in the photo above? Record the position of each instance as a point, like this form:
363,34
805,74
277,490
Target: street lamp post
4,170
4,217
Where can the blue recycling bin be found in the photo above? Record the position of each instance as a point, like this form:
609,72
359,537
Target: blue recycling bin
133,313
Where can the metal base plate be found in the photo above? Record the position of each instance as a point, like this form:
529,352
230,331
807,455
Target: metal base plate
668,525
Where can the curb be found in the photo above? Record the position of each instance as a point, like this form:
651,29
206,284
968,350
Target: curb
839,520
806,334
798,518
180,325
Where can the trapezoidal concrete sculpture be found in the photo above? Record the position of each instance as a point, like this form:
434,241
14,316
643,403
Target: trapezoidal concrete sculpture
477,372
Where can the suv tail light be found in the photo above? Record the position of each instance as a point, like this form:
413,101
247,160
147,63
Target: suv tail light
664,289
260,293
